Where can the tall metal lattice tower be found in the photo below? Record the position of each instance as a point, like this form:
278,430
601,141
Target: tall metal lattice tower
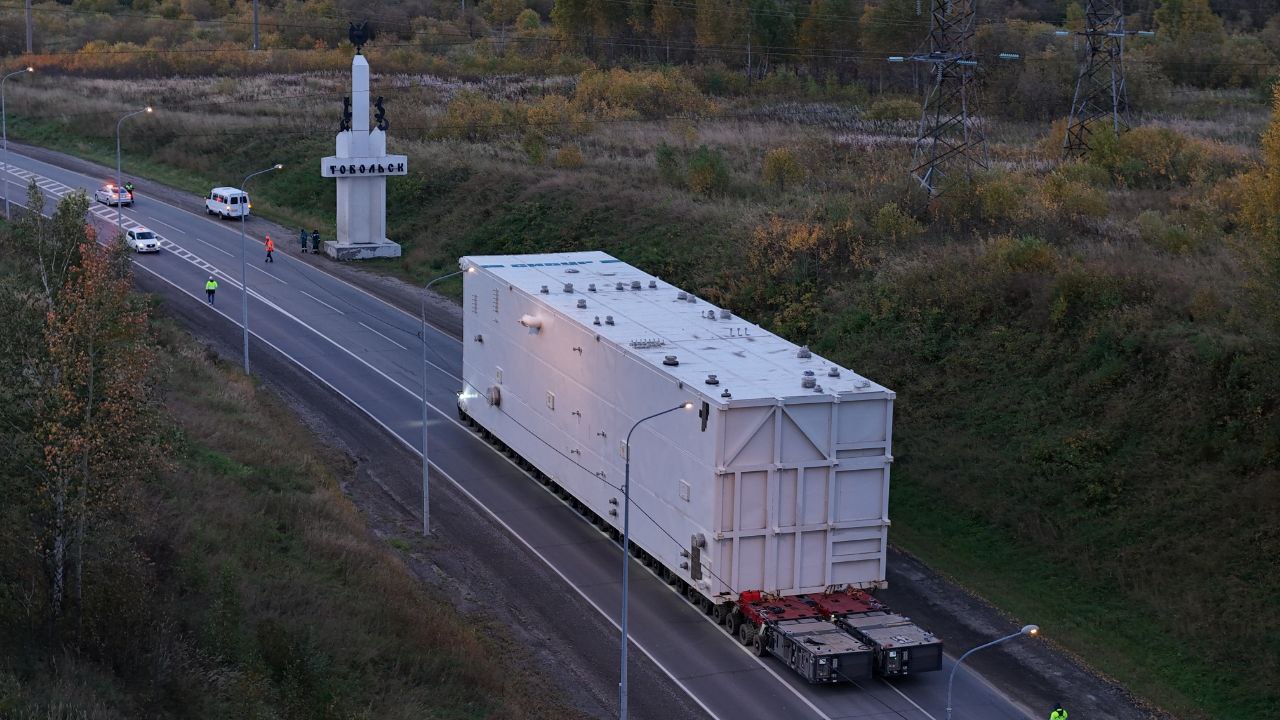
950,138
1100,92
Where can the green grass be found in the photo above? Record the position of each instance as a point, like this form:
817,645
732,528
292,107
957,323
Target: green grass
1076,613
263,593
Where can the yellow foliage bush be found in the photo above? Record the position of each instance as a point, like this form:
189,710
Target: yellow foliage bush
781,168
1072,199
619,94
473,117
568,157
555,115
893,223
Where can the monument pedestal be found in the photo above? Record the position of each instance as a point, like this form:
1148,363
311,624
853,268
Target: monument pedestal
361,166
361,251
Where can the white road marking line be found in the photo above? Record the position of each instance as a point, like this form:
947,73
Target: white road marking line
384,337
313,297
215,247
264,272
161,222
904,697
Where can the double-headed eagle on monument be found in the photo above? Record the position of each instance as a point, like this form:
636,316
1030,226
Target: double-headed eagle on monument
359,34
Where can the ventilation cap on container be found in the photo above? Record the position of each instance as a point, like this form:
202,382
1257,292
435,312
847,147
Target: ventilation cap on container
582,304
712,380
803,352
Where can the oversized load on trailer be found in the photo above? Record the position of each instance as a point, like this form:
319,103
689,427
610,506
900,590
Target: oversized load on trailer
770,483
778,480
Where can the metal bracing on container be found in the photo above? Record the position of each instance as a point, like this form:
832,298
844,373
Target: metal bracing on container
780,483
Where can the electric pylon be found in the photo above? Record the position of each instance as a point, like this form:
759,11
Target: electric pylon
1100,90
950,137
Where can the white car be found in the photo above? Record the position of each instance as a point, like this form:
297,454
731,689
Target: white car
112,195
142,240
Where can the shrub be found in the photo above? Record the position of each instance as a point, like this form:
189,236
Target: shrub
1158,157
668,165
568,157
1156,230
619,94
554,115
893,109
535,147
1002,196
893,223
708,171
1025,254
1086,173
1072,199
781,168
473,117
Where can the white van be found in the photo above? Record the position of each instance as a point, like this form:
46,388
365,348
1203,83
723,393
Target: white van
227,202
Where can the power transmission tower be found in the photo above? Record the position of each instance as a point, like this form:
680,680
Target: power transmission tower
1100,90
949,137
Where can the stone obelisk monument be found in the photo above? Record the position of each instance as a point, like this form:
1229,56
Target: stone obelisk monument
361,166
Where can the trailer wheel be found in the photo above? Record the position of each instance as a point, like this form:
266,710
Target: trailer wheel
746,633
721,613
733,620
708,607
757,644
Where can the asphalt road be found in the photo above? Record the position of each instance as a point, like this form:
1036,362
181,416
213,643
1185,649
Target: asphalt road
370,353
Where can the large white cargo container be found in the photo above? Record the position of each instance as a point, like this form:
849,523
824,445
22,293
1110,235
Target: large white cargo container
785,490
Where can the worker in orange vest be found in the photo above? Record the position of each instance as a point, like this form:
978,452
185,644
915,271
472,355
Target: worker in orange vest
270,248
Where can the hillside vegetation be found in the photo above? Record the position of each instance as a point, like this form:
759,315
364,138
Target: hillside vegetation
1085,349
175,543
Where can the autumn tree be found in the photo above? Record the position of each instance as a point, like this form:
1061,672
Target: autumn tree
85,430
503,13
827,29
670,21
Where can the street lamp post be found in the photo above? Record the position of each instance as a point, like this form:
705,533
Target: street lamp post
626,548
426,506
120,186
244,281
1026,630
4,129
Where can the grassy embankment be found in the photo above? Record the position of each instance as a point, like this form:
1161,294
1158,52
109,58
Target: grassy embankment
265,594
1086,426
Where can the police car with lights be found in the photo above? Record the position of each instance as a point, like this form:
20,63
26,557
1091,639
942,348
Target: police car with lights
111,195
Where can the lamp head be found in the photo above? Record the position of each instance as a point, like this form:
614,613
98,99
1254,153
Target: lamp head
278,166
1031,630
30,69
687,406
149,109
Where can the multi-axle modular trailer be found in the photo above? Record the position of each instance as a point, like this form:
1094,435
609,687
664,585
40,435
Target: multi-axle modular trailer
774,483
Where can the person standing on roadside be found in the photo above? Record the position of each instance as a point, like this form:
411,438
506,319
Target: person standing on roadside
210,287
1058,713
302,238
271,247
315,241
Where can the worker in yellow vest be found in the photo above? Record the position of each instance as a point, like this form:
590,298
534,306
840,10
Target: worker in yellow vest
210,287
1058,713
